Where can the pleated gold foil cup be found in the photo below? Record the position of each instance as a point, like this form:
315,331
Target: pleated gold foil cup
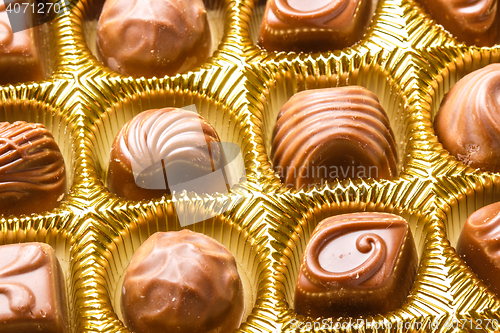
404,58
117,243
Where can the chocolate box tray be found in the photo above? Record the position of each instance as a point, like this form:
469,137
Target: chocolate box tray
406,59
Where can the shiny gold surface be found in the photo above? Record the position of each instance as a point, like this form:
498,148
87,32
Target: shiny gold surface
405,59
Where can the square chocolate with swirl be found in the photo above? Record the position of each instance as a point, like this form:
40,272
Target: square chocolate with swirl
32,297
356,264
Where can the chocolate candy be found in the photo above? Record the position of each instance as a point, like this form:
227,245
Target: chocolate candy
473,22
159,149
32,172
32,289
19,58
467,123
332,133
182,282
356,264
153,37
478,245
313,26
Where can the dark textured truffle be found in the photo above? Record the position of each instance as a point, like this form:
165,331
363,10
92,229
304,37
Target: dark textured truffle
332,133
473,22
32,286
468,124
159,149
182,282
153,37
19,58
479,245
356,264
32,172
313,26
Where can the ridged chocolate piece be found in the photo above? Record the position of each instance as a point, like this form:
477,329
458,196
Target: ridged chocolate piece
314,25
32,172
153,37
356,264
332,133
479,245
468,123
474,22
182,282
161,148
32,289
19,58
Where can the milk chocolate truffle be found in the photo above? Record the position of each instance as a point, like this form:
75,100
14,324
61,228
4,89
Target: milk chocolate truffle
314,25
19,58
468,122
356,264
473,22
479,245
32,172
153,37
32,289
332,133
182,282
162,148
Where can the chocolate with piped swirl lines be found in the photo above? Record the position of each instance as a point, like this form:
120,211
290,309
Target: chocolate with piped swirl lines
356,264
473,22
468,122
313,26
164,147
32,171
478,245
332,133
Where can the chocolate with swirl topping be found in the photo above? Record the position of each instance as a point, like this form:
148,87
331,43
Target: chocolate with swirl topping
162,148
467,124
473,22
32,172
478,245
313,26
32,286
356,264
325,134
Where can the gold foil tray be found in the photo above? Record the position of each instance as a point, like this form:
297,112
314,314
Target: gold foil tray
407,60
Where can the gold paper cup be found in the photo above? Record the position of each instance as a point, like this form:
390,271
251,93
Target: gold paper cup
284,78
40,104
237,229
427,305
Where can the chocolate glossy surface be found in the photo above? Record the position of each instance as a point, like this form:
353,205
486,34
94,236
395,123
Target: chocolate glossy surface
182,282
19,58
32,171
153,37
479,245
332,133
473,22
313,26
161,148
32,290
356,264
467,123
